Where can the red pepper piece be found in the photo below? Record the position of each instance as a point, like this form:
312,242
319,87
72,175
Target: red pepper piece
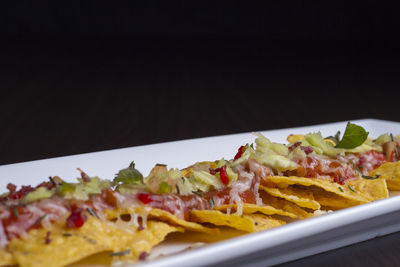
240,152
144,197
11,187
292,147
214,171
223,175
391,156
76,219
307,149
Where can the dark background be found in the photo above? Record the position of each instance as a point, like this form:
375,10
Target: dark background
85,76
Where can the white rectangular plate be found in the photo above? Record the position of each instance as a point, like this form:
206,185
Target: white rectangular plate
285,243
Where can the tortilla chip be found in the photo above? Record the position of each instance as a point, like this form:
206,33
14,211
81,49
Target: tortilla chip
371,189
164,216
248,223
196,237
127,248
141,241
253,208
62,250
331,200
391,172
283,204
303,198
70,245
6,258
361,190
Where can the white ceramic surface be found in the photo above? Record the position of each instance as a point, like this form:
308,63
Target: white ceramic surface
274,243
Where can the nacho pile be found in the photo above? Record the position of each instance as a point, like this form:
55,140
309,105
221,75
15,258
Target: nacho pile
265,185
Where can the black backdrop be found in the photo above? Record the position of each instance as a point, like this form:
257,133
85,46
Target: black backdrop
85,76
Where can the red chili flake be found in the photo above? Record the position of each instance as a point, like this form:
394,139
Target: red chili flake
391,156
143,256
223,175
20,193
48,240
292,147
11,187
307,149
16,195
240,152
76,219
214,171
144,197
84,176
339,179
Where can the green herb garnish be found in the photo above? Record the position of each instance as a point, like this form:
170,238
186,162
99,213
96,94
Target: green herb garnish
371,177
212,203
341,189
67,234
177,189
40,219
356,169
351,188
121,253
129,175
335,138
93,213
15,212
353,136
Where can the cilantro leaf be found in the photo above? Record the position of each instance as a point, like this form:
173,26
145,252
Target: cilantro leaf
129,175
353,136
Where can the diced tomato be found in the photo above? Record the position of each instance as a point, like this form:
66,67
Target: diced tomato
214,171
11,187
240,152
144,198
307,149
76,219
292,147
223,175
13,194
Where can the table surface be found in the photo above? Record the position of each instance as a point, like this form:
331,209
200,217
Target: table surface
65,97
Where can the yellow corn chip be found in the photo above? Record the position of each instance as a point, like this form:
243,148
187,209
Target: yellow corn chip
6,258
62,250
361,190
303,198
253,208
283,204
371,189
248,223
138,242
331,200
391,172
69,246
164,216
127,247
